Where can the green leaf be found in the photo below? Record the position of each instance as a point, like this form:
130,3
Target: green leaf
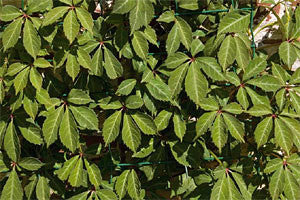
295,99
71,26
175,60
254,67
280,73
266,82
39,6
209,104
21,80
130,133
211,68
30,187
78,97
287,53
85,117
121,184
30,163
260,110
283,135
256,98
126,87
11,34
35,78
134,102
43,189
123,6
196,85
291,187
277,182
235,127
68,132
179,125
76,176
233,78
30,106
233,108
9,13
111,127
106,194
97,63
31,40
110,103
190,5
159,90
85,18
242,97
141,15
140,44
233,192
295,77
220,189
242,186
94,173
134,185
150,35
12,189
273,165
281,98
41,63
219,136
294,126
72,66
242,53
84,58
145,123
112,66
64,172
197,46
227,52
51,125
12,143
162,119
204,123
173,40
176,79
167,16
54,14
15,68
262,131
234,22
185,32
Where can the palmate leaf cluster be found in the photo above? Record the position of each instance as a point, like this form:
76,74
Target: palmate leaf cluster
142,102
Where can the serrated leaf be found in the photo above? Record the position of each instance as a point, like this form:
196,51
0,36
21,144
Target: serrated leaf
179,126
130,133
29,188
140,44
295,77
287,53
219,136
94,173
9,13
11,34
235,127
196,85
72,66
242,53
162,120
295,99
175,60
30,163
78,97
211,68
254,67
176,79
112,66
150,35
107,194
134,185
97,63
242,186
227,52
54,14
134,102
242,97
21,80
204,122
39,6
12,143
277,182
209,104
145,123
233,192
173,40
85,18
85,117
12,189
273,165
167,16
185,32
234,22
294,126
283,135
126,87
260,110
190,5
64,172
159,90
51,125
121,184
111,127
68,132
280,73
140,15
43,189
123,6
233,108
71,26
31,40
76,176
220,189
84,58
262,131
30,106
256,98
266,82
35,78
291,187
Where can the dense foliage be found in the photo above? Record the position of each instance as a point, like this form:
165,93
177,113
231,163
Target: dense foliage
147,100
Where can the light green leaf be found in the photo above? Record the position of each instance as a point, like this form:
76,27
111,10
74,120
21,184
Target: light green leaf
84,58
283,135
64,172
30,106
85,117
167,16
179,125
68,132
234,22
12,143
204,123
175,60
220,189
106,194
259,110
123,6
219,136
94,173
254,67
281,98
21,80
110,103
11,34
190,5
209,104
54,14
121,184
140,44
295,99
280,73
273,165
242,97
85,18
277,182
266,82
78,97
51,125
159,90
30,187
43,189
30,163
97,63
112,66
173,40
211,68
295,77
134,102
15,68
262,131
227,52
134,185
12,189
130,133
242,186
126,87
162,119
291,187
150,35
233,108
235,127
233,192
197,46
256,98
71,26
41,63
242,53
72,66
176,79
35,78
39,6
76,176
196,85
287,53
294,126
31,40
185,32
141,15
145,123
111,127
233,78
9,12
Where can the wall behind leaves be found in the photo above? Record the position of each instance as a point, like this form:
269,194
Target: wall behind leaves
148,99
